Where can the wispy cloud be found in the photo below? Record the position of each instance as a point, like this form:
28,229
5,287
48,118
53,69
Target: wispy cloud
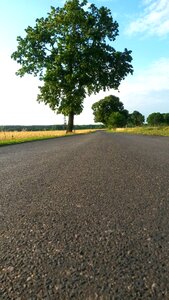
155,77
154,20
148,90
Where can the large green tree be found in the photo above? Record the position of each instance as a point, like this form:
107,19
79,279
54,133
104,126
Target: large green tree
70,51
117,119
166,118
104,108
136,119
155,119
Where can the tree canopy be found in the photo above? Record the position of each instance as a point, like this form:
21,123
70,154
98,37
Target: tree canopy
136,119
158,118
117,119
166,118
71,52
104,108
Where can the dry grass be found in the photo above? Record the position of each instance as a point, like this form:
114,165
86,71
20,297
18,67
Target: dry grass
12,137
9,135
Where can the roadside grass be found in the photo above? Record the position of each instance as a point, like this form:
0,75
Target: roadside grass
16,137
145,130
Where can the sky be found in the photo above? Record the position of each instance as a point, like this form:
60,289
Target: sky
143,28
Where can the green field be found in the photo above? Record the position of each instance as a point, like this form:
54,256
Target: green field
145,130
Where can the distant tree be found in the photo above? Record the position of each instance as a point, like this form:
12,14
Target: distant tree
70,53
136,118
155,119
103,109
117,119
166,118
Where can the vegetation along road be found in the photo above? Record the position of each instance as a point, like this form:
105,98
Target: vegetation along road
85,217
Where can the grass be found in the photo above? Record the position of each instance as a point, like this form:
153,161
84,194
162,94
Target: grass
145,130
15,137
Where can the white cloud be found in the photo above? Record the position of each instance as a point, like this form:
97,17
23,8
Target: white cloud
18,103
155,77
153,21
148,90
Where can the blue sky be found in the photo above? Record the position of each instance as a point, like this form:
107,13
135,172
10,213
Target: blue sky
144,29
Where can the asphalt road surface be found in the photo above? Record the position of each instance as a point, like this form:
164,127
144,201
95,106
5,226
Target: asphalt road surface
85,217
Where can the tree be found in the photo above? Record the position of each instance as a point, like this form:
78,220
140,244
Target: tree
155,119
166,118
136,119
104,108
70,53
117,119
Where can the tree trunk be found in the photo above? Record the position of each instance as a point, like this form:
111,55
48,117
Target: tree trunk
70,122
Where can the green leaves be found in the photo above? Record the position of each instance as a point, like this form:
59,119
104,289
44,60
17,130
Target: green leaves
69,51
117,119
104,109
156,119
136,119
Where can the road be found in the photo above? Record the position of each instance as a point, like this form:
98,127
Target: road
85,217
